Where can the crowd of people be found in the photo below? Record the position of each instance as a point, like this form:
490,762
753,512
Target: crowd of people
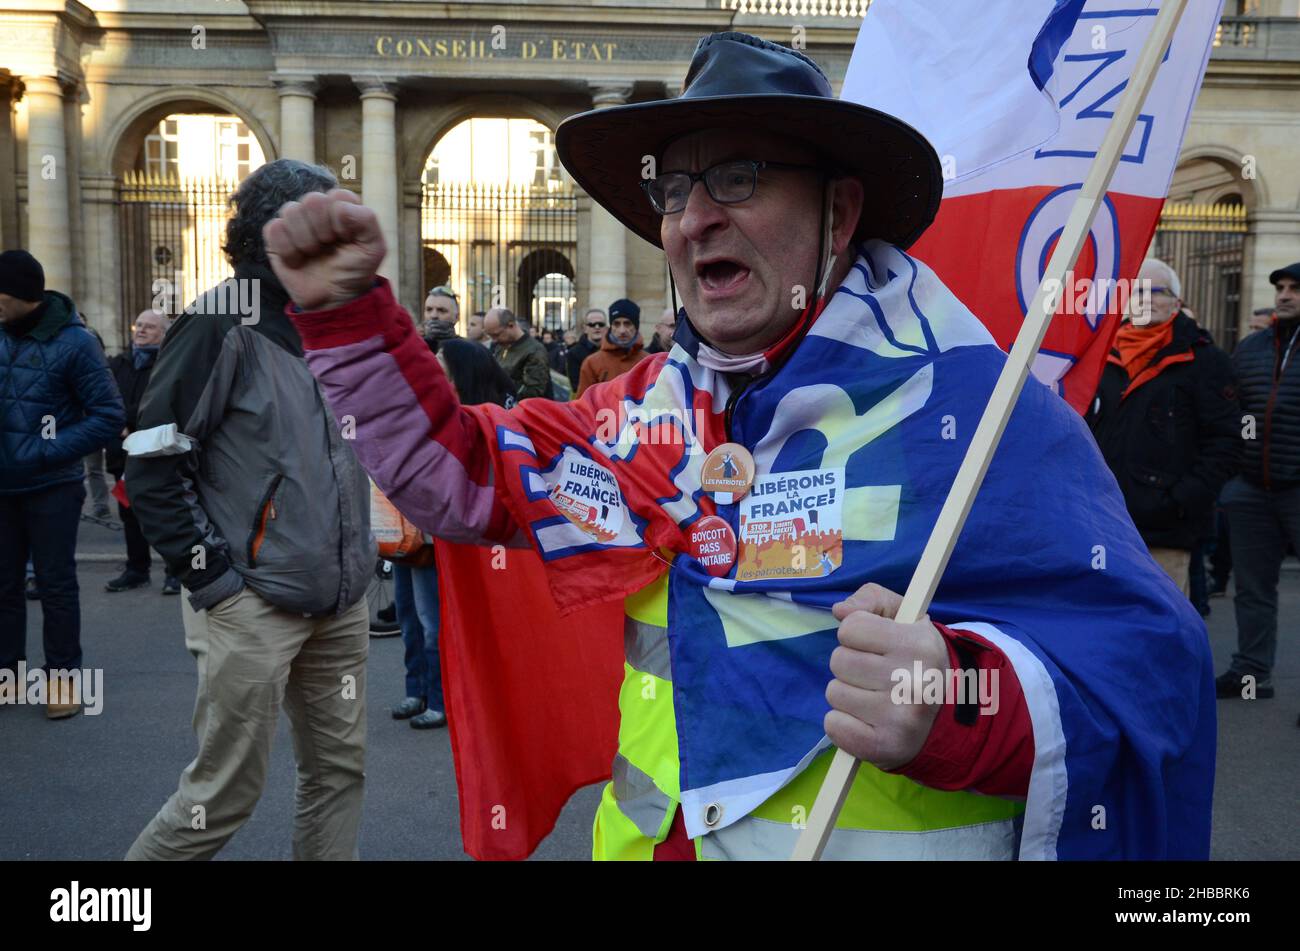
1206,450
266,527
559,363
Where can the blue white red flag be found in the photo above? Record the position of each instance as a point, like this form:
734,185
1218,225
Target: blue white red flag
867,423
1016,96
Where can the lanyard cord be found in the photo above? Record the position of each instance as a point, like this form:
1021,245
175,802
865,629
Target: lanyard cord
1286,357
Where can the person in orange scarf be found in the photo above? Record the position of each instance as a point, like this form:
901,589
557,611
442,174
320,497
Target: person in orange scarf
621,350
1166,419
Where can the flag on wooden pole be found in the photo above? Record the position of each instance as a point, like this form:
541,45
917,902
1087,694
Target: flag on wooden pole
1016,97
1054,807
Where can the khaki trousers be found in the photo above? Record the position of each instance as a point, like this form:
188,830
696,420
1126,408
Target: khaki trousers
253,658
1177,565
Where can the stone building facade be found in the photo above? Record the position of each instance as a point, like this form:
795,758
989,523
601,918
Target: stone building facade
368,87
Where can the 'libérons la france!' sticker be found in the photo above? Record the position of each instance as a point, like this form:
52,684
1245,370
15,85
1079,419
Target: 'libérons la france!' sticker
587,495
791,525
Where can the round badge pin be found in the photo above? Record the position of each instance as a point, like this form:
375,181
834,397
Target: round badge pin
728,473
713,544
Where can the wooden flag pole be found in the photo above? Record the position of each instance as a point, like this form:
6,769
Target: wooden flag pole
952,517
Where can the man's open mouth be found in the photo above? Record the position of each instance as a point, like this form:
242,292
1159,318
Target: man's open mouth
720,274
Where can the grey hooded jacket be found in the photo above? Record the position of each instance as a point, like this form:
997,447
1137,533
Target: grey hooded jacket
271,496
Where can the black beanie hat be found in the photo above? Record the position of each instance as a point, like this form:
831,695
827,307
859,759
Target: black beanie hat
625,308
21,276
1291,270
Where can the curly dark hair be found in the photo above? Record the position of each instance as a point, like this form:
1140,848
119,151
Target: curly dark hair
259,199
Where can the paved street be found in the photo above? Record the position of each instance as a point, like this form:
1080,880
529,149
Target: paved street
83,788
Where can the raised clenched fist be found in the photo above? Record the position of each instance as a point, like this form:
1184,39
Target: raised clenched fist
325,249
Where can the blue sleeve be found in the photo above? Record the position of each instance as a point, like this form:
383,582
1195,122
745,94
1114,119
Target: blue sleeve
90,384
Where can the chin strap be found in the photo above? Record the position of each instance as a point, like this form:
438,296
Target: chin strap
825,247
672,288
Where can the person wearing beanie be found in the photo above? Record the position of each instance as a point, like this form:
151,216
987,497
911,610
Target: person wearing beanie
621,350
58,403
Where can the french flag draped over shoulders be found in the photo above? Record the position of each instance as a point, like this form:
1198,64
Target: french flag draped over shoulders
1016,97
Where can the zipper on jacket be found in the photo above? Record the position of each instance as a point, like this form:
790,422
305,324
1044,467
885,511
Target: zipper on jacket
1268,408
266,513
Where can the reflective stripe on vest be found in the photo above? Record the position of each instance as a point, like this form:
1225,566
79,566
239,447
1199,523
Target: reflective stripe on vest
645,648
635,811
639,798
752,838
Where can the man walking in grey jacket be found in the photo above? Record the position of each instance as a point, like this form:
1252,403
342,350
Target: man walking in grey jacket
242,480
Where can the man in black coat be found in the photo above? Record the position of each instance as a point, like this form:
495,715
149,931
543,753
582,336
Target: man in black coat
593,336
1263,503
1167,422
131,371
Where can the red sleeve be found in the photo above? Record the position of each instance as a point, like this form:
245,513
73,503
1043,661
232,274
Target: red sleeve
985,748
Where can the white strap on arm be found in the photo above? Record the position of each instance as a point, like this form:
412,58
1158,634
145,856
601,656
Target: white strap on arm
160,441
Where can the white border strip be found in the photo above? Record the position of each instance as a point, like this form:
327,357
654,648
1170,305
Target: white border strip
737,798
1048,782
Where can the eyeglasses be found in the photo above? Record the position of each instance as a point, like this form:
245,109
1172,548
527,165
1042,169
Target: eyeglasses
728,183
595,325
1141,295
442,291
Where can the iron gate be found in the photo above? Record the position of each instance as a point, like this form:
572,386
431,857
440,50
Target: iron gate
1205,245
510,245
172,231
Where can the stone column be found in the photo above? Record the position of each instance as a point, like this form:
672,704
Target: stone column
103,295
297,116
412,247
49,225
379,167
8,171
1274,240
607,267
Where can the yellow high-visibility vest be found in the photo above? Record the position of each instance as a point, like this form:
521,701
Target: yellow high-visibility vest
884,817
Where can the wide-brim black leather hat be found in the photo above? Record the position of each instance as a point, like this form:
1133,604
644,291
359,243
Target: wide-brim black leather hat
737,80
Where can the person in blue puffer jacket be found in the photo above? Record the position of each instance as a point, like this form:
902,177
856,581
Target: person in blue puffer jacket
58,403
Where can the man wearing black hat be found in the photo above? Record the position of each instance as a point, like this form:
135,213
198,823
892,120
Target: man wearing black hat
1263,502
808,343
58,403
621,350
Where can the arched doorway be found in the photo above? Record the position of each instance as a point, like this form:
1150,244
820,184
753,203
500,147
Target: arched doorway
495,197
1202,234
175,174
435,270
545,290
